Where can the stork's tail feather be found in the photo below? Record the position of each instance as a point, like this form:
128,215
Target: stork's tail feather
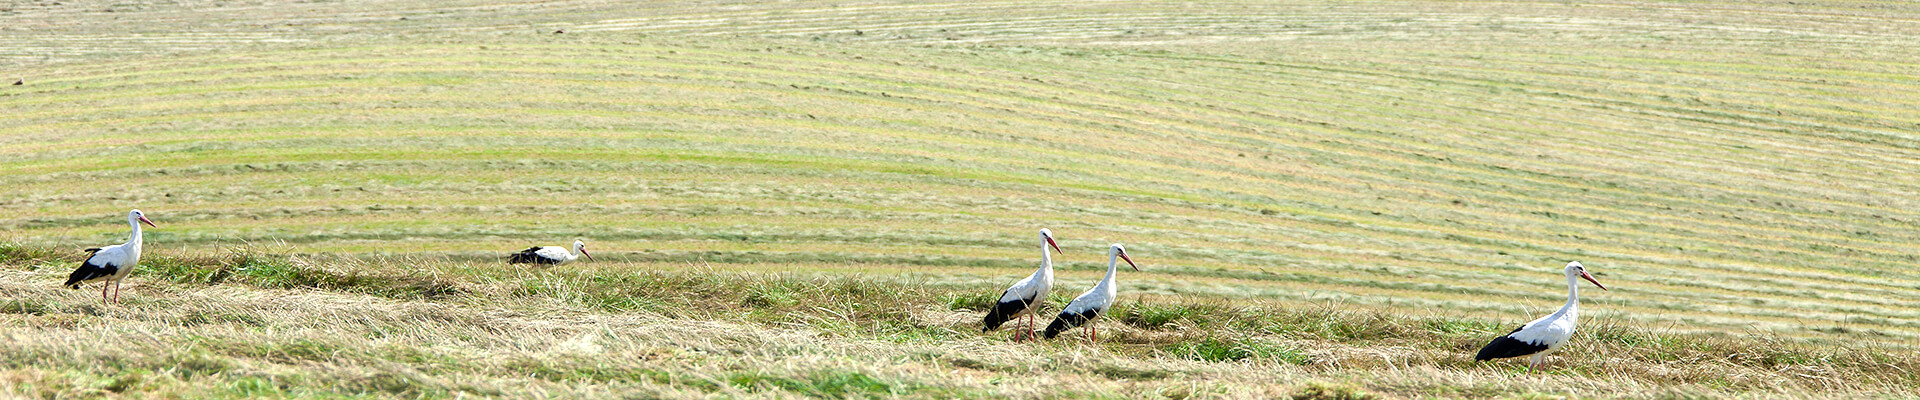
1058,325
994,320
1003,312
1069,320
78,277
1507,346
525,257
84,273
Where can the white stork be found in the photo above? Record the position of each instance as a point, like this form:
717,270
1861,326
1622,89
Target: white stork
1095,301
1026,295
555,255
1544,335
112,263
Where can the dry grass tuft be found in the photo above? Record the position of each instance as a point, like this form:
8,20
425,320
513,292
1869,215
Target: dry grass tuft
1327,391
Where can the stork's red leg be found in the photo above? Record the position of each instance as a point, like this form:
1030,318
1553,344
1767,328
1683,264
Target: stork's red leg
103,293
116,292
1020,332
1017,333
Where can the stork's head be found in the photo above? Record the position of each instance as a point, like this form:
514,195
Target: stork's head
136,215
1575,269
1121,251
580,246
1047,236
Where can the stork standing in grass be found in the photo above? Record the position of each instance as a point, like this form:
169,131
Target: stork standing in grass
1544,335
111,264
554,255
1095,301
1027,295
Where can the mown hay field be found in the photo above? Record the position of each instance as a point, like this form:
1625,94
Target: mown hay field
1726,168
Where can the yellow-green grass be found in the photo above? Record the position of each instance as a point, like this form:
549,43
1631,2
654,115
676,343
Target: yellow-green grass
1722,166
412,157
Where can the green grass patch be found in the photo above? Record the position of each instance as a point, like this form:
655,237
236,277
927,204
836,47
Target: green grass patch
24,306
204,317
283,272
1223,350
823,384
15,253
1163,315
1330,391
971,301
1133,374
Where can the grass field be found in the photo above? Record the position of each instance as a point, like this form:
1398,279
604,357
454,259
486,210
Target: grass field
1737,173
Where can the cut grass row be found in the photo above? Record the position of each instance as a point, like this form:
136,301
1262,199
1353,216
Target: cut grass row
77,31
347,226
853,241
814,244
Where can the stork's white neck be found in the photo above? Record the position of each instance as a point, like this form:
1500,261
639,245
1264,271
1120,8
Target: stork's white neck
1046,259
1573,297
134,240
1113,266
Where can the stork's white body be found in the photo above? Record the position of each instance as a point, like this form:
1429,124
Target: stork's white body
558,254
554,255
1552,331
1095,301
1545,335
111,264
125,256
1027,295
1032,289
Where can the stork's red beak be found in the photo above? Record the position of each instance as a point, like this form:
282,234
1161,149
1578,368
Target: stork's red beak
143,218
583,251
1123,256
1583,274
1056,246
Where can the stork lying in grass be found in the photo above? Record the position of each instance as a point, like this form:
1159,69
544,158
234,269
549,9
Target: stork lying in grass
553,255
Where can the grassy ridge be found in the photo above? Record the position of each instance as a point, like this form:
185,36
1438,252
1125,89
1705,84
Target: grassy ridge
612,329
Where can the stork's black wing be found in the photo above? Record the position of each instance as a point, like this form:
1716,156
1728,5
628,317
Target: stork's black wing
1506,346
90,270
1069,320
530,256
1005,311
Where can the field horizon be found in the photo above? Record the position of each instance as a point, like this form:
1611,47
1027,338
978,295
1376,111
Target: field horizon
1737,173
